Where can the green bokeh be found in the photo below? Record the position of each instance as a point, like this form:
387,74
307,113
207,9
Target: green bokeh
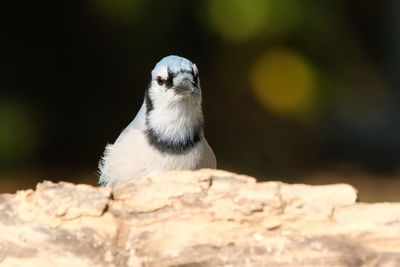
17,132
120,11
237,20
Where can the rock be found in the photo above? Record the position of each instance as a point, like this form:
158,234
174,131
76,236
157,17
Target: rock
199,218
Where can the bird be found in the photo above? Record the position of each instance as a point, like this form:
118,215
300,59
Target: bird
168,131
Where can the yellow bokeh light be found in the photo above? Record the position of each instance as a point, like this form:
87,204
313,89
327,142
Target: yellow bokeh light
237,20
283,81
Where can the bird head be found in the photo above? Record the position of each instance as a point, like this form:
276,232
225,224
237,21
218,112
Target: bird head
173,101
175,79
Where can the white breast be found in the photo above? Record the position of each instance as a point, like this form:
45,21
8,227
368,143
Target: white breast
132,157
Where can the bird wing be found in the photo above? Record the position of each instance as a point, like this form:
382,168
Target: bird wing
137,123
139,120
129,158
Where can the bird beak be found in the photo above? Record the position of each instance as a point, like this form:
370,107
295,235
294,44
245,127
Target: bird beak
185,86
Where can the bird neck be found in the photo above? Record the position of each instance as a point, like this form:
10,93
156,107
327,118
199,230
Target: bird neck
176,127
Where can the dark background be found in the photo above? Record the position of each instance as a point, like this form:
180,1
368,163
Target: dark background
298,90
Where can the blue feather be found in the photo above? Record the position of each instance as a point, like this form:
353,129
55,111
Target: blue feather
174,64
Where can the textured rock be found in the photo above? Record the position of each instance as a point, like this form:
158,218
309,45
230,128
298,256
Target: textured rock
201,218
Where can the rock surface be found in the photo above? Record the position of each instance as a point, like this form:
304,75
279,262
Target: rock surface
200,218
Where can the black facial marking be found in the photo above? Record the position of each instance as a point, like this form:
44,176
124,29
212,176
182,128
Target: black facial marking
171,147
170,80
195,78
187,71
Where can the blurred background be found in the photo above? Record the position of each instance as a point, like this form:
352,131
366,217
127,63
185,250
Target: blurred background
302,91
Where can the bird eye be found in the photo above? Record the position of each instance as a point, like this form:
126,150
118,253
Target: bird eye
160,81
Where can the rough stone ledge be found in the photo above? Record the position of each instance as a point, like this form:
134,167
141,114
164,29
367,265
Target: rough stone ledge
200,218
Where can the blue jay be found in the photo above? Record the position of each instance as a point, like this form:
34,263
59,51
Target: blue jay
167,133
